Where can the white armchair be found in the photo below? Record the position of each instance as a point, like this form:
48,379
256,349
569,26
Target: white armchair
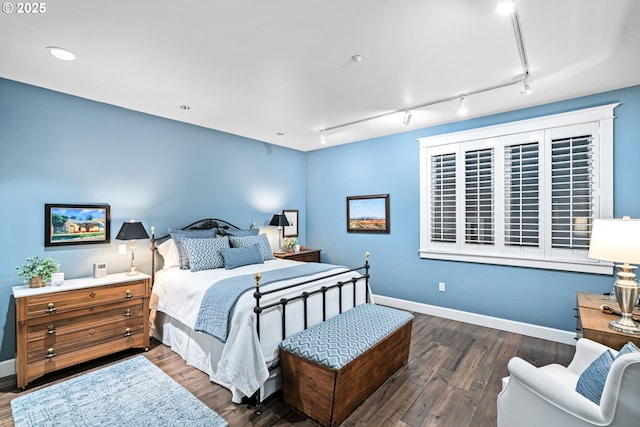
546,396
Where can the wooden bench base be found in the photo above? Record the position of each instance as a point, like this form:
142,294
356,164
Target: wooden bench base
328,396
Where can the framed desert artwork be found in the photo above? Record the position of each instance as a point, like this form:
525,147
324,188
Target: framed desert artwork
368,214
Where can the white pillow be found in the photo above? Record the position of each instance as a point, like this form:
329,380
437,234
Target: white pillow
169,251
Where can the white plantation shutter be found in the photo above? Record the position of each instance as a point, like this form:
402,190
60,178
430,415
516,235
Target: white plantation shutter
479,197
443,198
523,193
571,192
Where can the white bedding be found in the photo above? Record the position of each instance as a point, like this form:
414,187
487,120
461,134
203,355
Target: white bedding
241,364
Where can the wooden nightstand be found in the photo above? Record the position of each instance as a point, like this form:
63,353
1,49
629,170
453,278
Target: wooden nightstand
306,255
594,324
83,319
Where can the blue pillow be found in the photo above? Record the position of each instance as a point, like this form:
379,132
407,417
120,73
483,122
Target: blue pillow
591,382
627,349
237,257
260,239
238,233
178,235
204,254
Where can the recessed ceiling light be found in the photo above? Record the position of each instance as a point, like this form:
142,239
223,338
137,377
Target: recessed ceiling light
280,133
60,53
356,58
185,107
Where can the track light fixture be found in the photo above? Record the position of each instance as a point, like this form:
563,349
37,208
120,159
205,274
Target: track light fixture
526,84
463,109
510,8
407,118
506,7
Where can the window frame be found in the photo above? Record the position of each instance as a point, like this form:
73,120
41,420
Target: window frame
541,257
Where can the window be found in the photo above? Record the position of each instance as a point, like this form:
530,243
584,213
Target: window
523,193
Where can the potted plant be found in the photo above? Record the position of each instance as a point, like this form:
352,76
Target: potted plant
288,243
38,270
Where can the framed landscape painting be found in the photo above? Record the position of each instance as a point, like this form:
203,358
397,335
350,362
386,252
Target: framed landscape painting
76,224
368,214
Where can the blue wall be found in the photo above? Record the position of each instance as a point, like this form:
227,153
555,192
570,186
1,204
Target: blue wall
391,165
63,149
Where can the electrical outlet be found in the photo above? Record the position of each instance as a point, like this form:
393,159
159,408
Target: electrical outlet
122,249
441,286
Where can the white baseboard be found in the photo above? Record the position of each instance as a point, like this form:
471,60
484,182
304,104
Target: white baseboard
542,332
7,368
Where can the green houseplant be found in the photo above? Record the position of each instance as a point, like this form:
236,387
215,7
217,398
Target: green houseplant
37,270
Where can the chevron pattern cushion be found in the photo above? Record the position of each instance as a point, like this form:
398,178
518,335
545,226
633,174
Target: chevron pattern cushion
204,254
339,340
178,235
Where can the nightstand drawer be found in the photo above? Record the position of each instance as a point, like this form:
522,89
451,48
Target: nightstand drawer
64,359
59,326
306,255
84,338
61,302
80,315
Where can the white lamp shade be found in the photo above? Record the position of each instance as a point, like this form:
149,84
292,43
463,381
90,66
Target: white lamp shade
616,240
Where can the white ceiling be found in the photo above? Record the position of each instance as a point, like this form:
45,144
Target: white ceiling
258,68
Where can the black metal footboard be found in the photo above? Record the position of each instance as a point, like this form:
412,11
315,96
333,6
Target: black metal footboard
363,279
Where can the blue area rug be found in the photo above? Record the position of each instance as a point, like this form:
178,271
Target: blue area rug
131,393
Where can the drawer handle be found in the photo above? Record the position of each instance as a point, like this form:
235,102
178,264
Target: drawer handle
127,312
51,329
50,308
50,354
92,294
127,332
128,294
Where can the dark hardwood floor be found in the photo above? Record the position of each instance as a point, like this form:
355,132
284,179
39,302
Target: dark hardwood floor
452,379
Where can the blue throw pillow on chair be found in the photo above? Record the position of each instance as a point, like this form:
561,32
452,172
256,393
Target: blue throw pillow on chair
628,348
591,382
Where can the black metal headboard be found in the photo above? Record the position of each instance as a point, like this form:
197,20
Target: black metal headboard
201,224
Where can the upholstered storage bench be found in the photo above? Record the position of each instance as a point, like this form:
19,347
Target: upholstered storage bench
332,367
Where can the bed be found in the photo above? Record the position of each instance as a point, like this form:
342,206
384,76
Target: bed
282,298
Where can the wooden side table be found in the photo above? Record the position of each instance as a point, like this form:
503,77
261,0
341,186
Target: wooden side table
306,255
593,324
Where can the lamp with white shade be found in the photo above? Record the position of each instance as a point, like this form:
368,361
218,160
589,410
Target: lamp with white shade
618,240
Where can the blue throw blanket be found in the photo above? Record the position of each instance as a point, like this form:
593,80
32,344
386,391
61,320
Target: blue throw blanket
216,308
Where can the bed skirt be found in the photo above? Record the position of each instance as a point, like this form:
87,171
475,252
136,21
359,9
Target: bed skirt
202,351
